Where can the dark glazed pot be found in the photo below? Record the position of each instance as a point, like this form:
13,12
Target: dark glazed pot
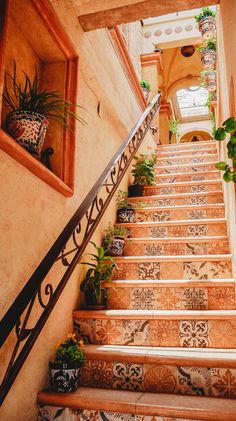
135,190
63,377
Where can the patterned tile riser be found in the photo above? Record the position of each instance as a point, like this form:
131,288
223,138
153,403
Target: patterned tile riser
191,270
122,375
186,200
187,177
193,230
187,160
187,153
50,413
159,333
175,249
195,168
158,190
172,214
171,298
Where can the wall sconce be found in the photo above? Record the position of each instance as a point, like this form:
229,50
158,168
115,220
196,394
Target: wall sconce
187,50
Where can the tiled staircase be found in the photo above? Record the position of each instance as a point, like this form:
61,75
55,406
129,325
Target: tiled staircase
165,348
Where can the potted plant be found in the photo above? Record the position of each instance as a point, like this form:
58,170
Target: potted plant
146,87
100,271
125,212
173,129
208,79
144,174
114,240
206,23
208,53
30,110
228,126
65,368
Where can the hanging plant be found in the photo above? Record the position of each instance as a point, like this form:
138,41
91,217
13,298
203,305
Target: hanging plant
229,126
206,23
208,54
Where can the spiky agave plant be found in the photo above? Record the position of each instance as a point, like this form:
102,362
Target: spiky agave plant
27,96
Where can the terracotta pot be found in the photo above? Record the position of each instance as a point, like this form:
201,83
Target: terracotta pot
125,215
63,377
28,129
208,58
207,27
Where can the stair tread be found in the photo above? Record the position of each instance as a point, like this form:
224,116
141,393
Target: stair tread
189,173
191,164
180,145
179,207
178,239
156,314
187,151
185,183
174,196
199,357
197,407
174,258
207,155
170,283
174,222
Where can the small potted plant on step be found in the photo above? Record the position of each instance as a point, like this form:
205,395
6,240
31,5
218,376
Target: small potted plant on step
65,368
114,240
146,87
100,270
31,108
143,173
206,23
125,212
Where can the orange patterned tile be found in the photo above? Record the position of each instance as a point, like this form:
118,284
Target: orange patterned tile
160,379
171,270
164,332
224,383
97,374
222,334
221,298
168,298
119,298
109,331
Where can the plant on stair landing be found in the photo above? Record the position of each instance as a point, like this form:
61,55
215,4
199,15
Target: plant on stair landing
31,108
229,126
144,174
114,240
125,211
65,368
100,270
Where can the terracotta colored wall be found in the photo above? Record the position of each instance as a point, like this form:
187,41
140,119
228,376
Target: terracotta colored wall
33,214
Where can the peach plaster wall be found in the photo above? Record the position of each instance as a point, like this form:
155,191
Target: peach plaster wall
33,214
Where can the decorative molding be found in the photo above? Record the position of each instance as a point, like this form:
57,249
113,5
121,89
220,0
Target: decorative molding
152,59
166,108
128,67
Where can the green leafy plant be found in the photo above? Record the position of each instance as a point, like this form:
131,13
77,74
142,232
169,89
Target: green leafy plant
205,12
70,351
122,200
145,85
29,97
173,126
144,169
113,232
211,97
100,271
207,45
228,126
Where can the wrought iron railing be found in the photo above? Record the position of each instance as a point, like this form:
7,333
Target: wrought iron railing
39,296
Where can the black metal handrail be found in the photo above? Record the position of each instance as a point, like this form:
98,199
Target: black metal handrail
67,249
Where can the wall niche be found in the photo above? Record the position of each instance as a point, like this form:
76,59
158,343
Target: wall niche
32,36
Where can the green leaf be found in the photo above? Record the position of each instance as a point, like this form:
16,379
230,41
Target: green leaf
234,178
227,176
231,127
233,140
229,120
221,165
220,134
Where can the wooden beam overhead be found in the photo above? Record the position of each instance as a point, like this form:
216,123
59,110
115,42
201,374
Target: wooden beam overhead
138,10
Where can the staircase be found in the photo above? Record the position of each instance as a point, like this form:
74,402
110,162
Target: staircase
165,348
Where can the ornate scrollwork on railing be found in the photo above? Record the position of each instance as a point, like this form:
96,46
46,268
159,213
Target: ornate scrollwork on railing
31,309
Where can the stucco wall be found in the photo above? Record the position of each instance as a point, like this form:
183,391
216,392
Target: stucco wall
33,214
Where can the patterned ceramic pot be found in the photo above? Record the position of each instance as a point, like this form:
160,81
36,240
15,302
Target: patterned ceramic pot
208,58
210,78
125,215
116,248
146,93
64,378
207,27
28,129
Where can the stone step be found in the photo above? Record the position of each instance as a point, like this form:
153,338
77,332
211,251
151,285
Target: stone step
158,328
186,168
176,246
154,214
203,198
187,187
186,177
193,146
192,267
165,162
214,294
177,228
96,404
160,370
187,152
